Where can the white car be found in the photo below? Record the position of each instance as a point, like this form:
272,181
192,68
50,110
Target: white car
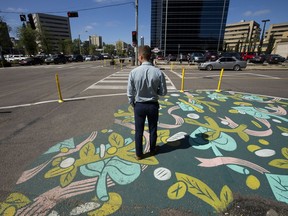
224,62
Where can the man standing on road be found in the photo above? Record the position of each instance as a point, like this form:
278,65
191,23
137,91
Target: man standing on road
145,84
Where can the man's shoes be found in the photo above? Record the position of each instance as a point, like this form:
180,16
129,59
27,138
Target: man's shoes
139,157
155,151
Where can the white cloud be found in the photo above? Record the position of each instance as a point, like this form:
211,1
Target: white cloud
256,13
18,10
88,27
112,23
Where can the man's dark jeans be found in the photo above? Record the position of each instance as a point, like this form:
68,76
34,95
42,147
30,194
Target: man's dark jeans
141,111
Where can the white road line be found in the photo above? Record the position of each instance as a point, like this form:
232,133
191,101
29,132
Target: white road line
65,99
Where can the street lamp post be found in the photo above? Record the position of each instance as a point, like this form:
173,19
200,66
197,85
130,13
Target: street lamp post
262,36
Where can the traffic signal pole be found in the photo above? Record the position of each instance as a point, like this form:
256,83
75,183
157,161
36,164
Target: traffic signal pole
136,28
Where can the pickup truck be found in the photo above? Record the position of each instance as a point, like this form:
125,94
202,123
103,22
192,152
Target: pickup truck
11,58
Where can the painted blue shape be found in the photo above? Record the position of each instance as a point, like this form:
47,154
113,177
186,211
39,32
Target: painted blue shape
216,96
253,98
258,113
224,141
186,107
120,171
279,186
69,143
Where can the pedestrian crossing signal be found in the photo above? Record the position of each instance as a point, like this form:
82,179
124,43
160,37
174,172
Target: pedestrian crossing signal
134,38
72,14
22,17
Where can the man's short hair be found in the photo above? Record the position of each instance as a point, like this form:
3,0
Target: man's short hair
145,51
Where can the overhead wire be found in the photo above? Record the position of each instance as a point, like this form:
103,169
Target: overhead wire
77,10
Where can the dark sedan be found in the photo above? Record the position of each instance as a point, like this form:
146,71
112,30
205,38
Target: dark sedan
31,61
56,59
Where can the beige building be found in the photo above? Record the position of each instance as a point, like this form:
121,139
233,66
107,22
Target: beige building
53,29
95,40
281,46
278,33
243,36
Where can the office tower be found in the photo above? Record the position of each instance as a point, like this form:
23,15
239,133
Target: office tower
95,40
182,26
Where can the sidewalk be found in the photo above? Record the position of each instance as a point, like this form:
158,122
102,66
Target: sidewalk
220,153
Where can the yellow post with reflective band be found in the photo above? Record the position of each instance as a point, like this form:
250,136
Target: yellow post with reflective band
183,76
59,89
220,80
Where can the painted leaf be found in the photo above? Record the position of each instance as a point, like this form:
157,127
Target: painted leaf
88,150
177,190
67,178
226,196
121,171
166,103
116,140
199,189
285,152
17,199
283,129
146,161
92,169
57,171
279,186
162,136
279,163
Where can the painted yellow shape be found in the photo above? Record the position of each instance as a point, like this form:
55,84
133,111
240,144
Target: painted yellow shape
263,142
284,151
242,104
104,131
64,150
10,211
279,163
177,190
256,124
112,150
110,207
233,111
205,193
252,182
253,148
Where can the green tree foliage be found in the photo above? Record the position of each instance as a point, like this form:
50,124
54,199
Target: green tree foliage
27,38
5,41
109,48
66,46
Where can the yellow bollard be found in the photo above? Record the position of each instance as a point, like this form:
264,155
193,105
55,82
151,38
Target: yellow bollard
59,89
171,66
182,83
220,80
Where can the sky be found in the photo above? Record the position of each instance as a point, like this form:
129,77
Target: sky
115,19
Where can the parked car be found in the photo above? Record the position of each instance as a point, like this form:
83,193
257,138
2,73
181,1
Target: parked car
258,59
197,57
211,56
274,58
91,58
159,57
17,57
31,61
224,62
77,58
56,59
247,56
231,54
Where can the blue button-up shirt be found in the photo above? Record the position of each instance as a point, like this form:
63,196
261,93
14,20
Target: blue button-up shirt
145,84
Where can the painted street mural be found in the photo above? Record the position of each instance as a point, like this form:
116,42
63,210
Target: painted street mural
212,147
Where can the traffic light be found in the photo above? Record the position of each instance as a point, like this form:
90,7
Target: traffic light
31,21
22,17
134,38
72,14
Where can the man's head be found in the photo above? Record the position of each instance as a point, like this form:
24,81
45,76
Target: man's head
144,53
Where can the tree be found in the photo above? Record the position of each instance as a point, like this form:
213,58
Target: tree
270,45
5,41
92,49
109,48
27,39
66,46
85,48
45,44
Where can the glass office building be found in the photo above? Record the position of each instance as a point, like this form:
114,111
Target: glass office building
183,26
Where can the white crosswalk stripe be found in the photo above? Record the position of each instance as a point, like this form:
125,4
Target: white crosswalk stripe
119,80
